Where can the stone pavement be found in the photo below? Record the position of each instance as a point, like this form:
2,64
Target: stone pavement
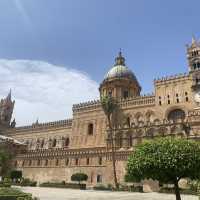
70,194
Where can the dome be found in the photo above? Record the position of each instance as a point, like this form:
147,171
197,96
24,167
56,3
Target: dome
120,70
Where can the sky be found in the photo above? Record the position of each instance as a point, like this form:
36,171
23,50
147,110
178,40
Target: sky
55,53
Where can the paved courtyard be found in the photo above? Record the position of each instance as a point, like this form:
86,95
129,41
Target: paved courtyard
70,194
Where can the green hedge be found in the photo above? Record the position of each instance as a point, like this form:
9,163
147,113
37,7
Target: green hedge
64,185
102,187
13,194
26,182
131,188
182,191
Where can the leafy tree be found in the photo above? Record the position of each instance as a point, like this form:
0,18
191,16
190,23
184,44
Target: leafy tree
15,174
79,177
110,106
5,160
166,160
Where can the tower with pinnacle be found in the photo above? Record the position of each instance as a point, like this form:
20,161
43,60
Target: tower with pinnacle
6,110
193,55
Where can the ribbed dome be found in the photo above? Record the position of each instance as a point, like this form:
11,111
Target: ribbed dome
119,71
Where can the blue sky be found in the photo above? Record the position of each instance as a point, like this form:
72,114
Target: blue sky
85,36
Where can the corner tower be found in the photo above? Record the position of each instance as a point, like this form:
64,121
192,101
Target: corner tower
6,110
120,81
193,55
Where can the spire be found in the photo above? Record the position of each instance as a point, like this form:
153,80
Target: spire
193,40
120,60
8,98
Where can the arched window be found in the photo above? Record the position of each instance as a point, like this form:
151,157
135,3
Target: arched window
100,160
57,162
99,178
76,161
66,142
30,162
176,114
87,161
42,143
38,163
128,121
90,129
46,162
67,162
54,143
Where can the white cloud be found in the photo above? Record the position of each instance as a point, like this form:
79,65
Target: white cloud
42,90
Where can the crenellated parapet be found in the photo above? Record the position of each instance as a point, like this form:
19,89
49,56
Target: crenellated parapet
142,100
173,78
131,101
42,126
89,105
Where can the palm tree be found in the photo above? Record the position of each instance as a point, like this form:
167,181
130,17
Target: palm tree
110,106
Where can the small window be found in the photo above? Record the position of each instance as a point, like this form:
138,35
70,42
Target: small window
168,101
87,161
110,93
76,161
54,143
90,129
125,94
42,144
67,162
128,122
176,95
160,103
159,97
100,160
177,100
66,142
186,93
168,96
99,178
46,162
57,162
38,163
186,99
130,141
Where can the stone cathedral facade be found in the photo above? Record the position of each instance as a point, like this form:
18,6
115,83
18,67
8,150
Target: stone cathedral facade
56,150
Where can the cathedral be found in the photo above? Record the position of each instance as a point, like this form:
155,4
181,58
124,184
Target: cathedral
56,150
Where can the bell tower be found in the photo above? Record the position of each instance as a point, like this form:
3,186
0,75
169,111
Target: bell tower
193,55
6,110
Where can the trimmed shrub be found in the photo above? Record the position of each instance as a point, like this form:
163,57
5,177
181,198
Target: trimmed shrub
79,177
15,174
182,191
102,187
26,182
64,185
14,194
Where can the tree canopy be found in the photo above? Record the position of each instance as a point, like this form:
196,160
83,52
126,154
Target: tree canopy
166,160
5,161
79,177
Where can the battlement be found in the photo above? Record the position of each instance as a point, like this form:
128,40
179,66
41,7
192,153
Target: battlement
86,105
47,125
165,79
148,99
143,100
